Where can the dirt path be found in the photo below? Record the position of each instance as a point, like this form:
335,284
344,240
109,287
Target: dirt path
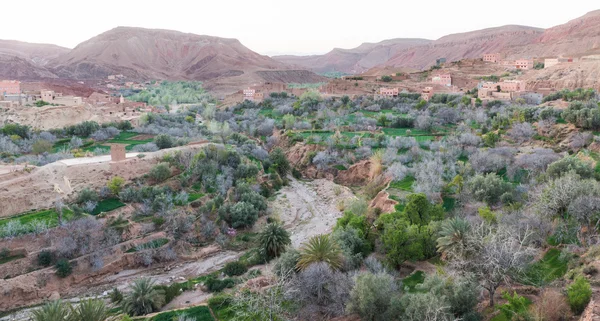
309,208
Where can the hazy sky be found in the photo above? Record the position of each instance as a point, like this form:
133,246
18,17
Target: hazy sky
279,26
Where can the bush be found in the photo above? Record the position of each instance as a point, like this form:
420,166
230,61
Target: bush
235,268
160,172
163,141
87,195
41,146
488,188
45,258
372,296
579,294
115,185
567,164
215,285
285,266
116,296
63,268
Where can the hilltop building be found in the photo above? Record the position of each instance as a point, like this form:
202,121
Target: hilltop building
388,92
442,79
427,93
555,61
492,57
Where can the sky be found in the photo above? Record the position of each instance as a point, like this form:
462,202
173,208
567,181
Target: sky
273,27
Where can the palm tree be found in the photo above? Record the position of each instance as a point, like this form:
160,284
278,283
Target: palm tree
91,310
452,234
320,248
273,240
143,299
54,311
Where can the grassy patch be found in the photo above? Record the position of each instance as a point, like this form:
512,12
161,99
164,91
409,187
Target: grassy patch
11,258
107,205
413,280
546,270
154,244
340,167
49,216
199,313
405,184
404,132
194,196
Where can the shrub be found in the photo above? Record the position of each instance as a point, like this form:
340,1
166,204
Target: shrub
45,258
579,294
279,162
63,268
488,188
160,172
235,268
285,266
115,185
116,296
87,195
215,285
41,146
567,164
372,296
163,141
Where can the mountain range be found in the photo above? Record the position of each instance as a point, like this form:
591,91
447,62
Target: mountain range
163,54
576,38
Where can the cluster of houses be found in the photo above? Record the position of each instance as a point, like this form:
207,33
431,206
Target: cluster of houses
13,95
109,107
507,90
524,64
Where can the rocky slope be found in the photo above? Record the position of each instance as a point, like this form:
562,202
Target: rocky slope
356,60
25,60
160,54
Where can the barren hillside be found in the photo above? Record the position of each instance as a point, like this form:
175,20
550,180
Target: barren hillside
160,54
354,60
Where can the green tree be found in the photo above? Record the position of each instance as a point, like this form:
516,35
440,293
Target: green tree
320,248
273,240
163,141
91,310
53,311
143,299
516,307
579,294
280,162
63,268
420,211
372,296
452,235
288,121
386,78
115,185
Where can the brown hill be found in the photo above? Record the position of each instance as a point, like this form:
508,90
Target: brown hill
578,37
465,45
160,54
23,60
356,60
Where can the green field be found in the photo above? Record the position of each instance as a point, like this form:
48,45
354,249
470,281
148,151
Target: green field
154,244
11,258
107,205
404,185
49,216
413,280
546,270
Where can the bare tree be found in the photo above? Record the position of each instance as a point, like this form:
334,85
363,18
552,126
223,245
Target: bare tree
493,256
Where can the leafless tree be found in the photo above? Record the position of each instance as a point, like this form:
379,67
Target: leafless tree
320,290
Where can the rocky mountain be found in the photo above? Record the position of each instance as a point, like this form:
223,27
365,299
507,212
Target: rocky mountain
465,45
356,60
160,54
578,37
23,60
